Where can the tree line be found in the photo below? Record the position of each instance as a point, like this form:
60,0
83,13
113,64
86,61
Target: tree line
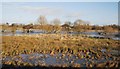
56,26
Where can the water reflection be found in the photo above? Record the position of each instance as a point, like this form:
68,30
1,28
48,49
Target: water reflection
89,34
47,59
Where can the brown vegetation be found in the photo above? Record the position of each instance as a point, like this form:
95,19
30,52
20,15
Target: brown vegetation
55,43
56,26
49,42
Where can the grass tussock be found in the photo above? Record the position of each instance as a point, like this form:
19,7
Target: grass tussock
14,45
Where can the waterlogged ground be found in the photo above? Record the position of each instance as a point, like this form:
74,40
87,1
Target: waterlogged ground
90,34
61,59
60,50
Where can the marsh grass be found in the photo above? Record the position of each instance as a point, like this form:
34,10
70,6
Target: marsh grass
56,43
45,43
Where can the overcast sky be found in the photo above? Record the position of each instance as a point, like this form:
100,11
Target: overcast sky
98,13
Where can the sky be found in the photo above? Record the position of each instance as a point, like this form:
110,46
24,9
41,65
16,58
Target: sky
97,13
59,0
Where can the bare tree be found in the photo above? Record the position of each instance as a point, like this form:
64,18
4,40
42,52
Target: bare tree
42,20
81,26
80,22
56,23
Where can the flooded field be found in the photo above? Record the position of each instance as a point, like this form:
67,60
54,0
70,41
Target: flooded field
83,60
88,34
60,51
60,35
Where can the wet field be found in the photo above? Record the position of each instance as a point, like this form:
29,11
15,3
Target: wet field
59,51
60,59
88,34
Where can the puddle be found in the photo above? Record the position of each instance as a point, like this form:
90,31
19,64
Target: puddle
103,50
57,59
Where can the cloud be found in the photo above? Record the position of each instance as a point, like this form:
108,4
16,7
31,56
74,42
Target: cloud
43,10
51,11
73,14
